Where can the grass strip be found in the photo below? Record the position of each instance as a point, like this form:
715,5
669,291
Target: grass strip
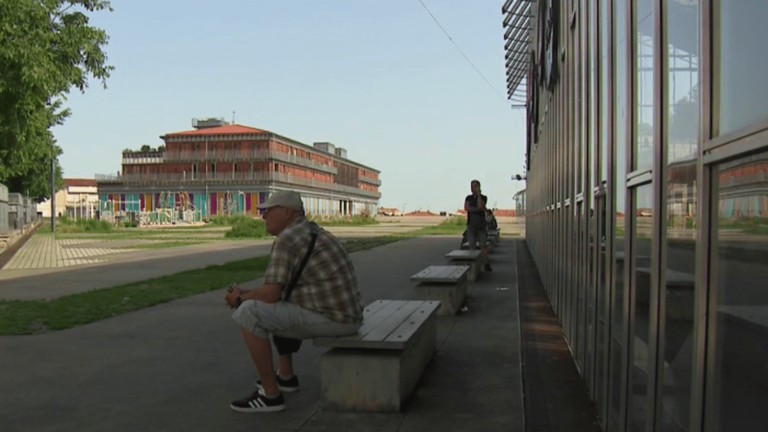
163,245
39,316
357,245
22,317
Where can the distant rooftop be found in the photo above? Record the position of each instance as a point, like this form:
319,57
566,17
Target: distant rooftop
68,182
229,129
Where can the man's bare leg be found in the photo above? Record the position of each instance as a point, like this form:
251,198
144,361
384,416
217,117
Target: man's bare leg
261,354
484,249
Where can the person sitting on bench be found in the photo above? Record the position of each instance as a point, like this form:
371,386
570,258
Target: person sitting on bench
325,302
490,220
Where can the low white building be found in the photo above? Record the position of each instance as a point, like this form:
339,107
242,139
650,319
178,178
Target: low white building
78,199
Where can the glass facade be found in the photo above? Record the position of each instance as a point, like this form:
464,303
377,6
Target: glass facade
740,320
647,205
742,91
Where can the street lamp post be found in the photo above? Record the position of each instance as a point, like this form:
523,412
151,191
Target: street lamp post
53,193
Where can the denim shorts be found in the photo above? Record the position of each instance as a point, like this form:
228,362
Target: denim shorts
286,319
476,236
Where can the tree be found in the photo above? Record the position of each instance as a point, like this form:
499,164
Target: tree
46,49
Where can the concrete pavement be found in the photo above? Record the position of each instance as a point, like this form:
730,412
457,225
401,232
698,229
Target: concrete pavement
176,366
135,266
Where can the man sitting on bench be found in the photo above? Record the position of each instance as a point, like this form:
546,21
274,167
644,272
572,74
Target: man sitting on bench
325,302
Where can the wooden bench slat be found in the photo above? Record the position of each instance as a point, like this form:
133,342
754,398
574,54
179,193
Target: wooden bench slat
373,314
412,325
380,333
375,319
374,307
463,254
377,314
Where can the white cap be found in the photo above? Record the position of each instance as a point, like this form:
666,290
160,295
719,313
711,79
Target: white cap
287,199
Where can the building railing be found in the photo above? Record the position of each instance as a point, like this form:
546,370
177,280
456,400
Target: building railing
370,180
213,155
143,158
224,178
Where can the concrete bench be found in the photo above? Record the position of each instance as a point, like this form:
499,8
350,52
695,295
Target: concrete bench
378,368
471,258
488,244
491,242
445,283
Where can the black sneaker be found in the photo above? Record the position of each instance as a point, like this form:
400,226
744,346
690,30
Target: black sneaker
258,402
488,268
290,385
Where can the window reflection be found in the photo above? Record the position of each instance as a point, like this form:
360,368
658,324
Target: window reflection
617,318
604,88
743,65
741,374
643,145
681,173
642,239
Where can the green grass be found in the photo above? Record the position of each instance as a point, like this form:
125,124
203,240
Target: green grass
66,225
247,228
40,316
141,234
224,220
164,244
756,230
452,226
336,221
744,222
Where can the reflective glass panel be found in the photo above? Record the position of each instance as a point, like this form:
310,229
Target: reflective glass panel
741,346
743,63
644,40
642,240
682,149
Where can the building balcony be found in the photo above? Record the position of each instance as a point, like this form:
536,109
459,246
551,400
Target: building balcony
215,155
249,178
370,180
142,158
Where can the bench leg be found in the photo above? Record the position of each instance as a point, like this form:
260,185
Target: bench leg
375,380
473,273
451,296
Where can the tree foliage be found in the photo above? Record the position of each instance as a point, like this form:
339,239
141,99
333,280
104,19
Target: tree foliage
47,48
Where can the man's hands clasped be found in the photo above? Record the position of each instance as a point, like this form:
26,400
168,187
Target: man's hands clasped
232,297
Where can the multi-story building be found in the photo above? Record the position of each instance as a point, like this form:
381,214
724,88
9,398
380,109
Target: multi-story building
223,168
647,200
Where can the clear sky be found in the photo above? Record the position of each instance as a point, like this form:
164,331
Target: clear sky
378,78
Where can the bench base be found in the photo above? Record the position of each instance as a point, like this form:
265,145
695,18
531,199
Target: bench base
451,295
375,380
473,273
488,245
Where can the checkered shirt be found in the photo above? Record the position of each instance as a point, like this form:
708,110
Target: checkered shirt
328,284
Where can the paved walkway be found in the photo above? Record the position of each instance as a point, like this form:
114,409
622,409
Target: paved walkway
43,251
176,366
46,283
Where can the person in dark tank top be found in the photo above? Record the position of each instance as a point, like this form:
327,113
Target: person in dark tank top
474,205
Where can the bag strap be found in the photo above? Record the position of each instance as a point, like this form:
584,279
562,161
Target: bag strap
297,275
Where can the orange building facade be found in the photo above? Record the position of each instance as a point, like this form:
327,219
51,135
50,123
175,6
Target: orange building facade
222,168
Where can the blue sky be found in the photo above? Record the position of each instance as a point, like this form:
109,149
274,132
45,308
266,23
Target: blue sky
378,78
